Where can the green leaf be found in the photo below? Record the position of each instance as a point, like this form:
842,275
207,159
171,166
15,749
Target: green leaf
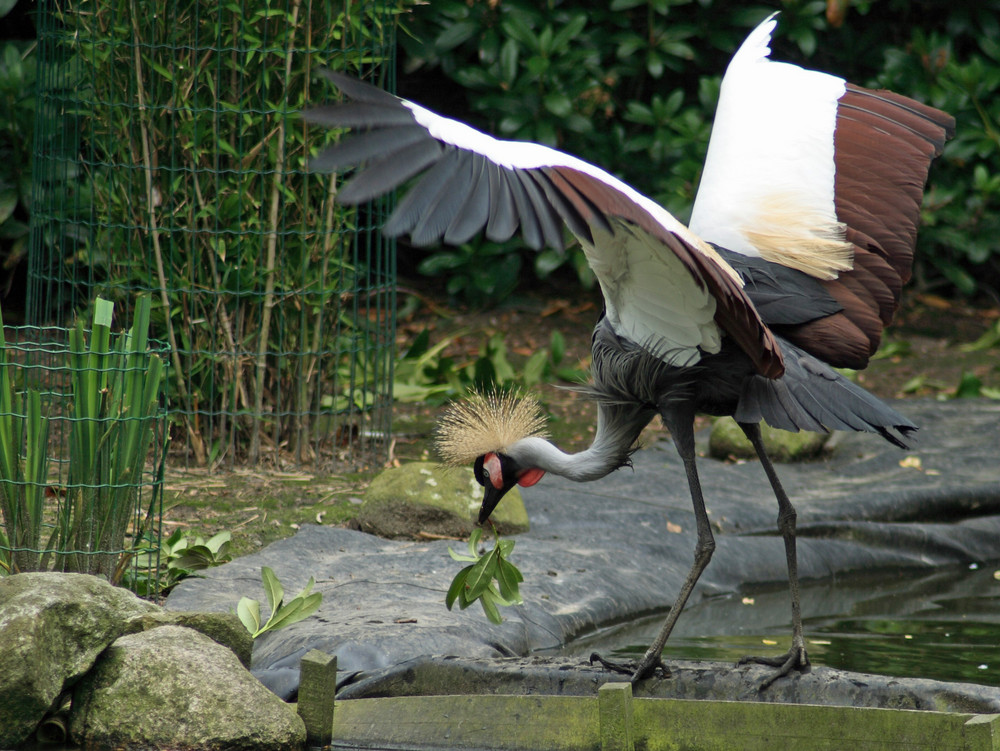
557,346
8,202
989,339
569,31
508,577
455,34
509,54
558,104
249,614
474,538
463,558
969,387
515,27
217,543
482,574
457,588
534,369
489,603
301,607
505,547
272,588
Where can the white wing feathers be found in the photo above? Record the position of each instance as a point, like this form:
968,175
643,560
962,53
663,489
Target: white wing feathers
650,296
664,286
526,155
767,188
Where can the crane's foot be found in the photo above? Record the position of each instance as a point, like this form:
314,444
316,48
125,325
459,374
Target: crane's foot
794,659
638,671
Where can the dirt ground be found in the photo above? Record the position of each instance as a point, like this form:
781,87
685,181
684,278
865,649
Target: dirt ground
922,356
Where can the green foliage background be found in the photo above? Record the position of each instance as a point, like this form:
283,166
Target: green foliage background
631,85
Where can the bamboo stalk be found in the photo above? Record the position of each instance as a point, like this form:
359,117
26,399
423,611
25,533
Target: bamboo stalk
272,247
197,444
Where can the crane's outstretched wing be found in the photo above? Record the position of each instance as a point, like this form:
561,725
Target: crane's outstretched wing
664,287
813,173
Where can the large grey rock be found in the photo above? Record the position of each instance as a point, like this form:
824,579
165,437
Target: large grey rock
175,688
52,627
425,497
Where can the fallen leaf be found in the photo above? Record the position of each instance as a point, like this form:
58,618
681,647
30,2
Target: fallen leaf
675,528
911,462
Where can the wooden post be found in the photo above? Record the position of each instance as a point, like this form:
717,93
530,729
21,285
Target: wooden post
982,733
317,689
615,710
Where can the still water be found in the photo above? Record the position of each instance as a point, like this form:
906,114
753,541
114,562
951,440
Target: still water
945,625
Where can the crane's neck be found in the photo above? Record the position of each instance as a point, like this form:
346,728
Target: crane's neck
616,432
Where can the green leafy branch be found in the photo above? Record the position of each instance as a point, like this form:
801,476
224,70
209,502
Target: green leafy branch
301,607
492,578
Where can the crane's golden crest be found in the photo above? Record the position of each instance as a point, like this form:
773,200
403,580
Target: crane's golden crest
484,423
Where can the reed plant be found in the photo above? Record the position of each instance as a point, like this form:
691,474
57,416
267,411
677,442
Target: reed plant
114,415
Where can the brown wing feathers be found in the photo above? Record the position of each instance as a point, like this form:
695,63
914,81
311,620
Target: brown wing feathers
884,144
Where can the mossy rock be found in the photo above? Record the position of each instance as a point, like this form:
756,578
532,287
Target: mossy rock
174,688
223,628
727,441
426,497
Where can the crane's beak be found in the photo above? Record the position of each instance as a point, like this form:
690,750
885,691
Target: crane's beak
491,498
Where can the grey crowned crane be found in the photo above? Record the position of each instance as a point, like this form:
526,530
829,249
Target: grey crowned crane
801,236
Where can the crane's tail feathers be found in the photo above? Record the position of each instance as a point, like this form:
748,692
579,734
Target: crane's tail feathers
813,396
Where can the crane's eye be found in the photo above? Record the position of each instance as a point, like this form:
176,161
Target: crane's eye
480,472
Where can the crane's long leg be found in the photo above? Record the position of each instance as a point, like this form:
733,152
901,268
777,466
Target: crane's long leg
681,426
796,657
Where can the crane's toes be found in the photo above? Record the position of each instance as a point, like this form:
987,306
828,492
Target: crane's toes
625,668
637,671
794,659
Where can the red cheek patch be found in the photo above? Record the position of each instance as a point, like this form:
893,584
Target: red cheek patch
530,476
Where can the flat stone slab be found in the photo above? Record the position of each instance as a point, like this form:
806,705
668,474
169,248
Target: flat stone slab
610,551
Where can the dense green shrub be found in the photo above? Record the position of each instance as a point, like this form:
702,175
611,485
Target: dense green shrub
17,120
631,85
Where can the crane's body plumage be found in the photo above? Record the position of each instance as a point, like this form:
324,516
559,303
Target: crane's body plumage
801,237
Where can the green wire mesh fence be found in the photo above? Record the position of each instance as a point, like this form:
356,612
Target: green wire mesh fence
82,448
169,159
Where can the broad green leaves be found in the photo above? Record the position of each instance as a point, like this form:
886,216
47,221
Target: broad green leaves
491,579
304,604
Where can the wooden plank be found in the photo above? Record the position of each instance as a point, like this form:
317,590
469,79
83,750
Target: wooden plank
577,723
671,725
507,723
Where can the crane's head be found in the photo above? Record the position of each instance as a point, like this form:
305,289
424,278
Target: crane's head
483,429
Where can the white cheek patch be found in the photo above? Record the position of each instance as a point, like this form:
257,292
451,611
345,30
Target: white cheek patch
491,463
